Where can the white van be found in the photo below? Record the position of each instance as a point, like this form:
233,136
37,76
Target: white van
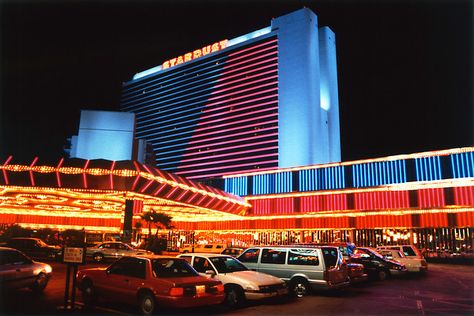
302,268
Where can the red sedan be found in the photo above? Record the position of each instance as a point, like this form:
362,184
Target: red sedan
148,281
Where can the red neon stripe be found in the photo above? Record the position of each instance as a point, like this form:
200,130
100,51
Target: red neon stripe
252,87
84,177
261,71
162,186
241,121
171,192
230,160
8,160
214,139
231,119
250,83
58,177
146,186
135,182
206,117
234,93
32,178
253,47
111,176
250,142
235,61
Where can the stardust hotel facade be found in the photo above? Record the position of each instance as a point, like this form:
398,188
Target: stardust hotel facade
256,117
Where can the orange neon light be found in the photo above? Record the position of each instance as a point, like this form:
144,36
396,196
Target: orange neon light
195,54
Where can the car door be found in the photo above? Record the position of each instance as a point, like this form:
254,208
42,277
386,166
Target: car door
273,261
15,269
123,278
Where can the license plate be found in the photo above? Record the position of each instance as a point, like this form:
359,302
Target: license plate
200,289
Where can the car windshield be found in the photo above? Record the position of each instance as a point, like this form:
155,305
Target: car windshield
41,243
171,268
227,264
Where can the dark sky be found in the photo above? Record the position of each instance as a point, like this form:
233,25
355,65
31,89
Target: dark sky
405,67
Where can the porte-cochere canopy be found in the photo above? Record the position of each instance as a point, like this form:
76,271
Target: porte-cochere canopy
93,194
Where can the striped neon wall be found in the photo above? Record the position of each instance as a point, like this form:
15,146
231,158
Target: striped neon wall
213,115
425,167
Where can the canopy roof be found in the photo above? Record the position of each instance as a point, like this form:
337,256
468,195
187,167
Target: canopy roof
100,187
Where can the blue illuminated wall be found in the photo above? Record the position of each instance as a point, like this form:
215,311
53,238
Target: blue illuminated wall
308,95
104,135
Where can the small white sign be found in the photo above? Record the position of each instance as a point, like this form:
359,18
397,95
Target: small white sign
73,255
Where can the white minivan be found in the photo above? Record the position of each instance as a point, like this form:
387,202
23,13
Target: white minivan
240,283
321,267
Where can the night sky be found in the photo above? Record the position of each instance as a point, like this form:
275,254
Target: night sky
405,67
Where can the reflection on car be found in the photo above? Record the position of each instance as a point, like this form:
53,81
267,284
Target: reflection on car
240,283
18,271
35,248
149,281
112,250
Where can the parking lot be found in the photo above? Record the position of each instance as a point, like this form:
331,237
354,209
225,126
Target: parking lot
444,290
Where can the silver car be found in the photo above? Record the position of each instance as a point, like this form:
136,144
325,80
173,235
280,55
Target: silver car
19,271
112,250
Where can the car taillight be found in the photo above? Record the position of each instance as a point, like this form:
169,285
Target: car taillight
176,291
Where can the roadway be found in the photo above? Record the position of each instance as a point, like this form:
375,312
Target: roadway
444,290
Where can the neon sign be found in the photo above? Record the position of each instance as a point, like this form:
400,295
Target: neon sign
195,54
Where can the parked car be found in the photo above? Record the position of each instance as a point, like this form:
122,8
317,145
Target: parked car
233,251
375,265
112,250
302,268
409,251
19,271
204,248
412,264
240,283
149,281
35,248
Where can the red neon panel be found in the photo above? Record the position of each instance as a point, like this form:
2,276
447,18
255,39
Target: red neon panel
84,176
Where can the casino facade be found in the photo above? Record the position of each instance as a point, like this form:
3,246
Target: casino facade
245,135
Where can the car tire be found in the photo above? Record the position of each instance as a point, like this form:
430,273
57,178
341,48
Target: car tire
234,296
88,293
40,283
299,287
98,257
382,275
146,303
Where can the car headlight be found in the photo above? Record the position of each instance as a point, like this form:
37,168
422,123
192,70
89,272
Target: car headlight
251,287
48,269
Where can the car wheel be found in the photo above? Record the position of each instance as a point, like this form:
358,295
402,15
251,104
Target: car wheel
299,287
234,296
98,257
382,275
146,303
88,293
40,283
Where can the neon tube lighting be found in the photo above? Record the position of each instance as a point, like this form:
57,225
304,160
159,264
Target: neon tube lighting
445,152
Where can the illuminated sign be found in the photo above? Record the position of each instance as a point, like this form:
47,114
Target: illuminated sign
195,54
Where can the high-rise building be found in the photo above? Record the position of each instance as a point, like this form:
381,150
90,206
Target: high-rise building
264,100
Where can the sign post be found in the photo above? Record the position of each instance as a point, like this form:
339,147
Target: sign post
73,256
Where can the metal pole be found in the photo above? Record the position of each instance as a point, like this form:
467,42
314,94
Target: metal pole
66,290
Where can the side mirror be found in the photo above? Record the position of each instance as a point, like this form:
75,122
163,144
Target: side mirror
210,273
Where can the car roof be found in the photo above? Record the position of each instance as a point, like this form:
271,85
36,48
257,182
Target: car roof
207,255
152,256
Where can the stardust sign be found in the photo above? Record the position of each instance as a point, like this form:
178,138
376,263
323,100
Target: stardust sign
195,54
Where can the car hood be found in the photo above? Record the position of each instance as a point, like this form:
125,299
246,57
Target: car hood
247,276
